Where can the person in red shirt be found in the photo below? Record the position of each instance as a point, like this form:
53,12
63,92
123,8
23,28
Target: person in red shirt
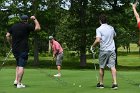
136,15
57,54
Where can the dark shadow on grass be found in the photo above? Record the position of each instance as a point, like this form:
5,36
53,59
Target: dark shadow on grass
76,65
65,65
119,67
125,53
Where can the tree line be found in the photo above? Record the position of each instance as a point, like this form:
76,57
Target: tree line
74,27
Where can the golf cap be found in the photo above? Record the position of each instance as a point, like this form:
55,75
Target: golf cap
24,17
50,37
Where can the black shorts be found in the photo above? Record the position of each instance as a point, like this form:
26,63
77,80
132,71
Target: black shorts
21,58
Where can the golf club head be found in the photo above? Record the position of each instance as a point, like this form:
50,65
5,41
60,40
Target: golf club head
92,49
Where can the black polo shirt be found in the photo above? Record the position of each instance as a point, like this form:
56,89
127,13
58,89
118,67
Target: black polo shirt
20,34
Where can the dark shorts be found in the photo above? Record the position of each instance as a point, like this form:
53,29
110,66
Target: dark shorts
21,58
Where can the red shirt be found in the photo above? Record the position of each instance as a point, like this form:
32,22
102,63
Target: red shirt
56,47
139,25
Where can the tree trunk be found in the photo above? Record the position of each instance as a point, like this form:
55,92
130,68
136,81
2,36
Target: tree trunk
36,57
116,50
83,60
82,14
139,50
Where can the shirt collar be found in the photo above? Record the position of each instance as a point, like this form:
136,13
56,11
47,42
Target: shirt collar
104,24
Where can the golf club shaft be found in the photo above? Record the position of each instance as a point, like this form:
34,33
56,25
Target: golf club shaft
95,68
5,59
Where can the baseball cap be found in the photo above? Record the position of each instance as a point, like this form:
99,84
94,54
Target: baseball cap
50,37
24,17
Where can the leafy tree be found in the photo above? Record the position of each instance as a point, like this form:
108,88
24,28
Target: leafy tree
74,27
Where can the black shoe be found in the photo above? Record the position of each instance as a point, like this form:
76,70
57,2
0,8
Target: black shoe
114,86
100,85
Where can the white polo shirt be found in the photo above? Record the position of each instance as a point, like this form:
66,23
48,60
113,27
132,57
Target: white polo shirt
106,33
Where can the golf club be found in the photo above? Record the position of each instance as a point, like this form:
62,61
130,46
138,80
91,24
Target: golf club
57,79
5,59
48,73
95,68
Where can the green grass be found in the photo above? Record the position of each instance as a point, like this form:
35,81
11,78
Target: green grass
129,60
126,61
38,81
133,47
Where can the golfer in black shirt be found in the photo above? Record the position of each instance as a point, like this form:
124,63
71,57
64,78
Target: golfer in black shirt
18,36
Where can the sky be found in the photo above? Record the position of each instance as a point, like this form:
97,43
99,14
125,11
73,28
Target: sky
66,4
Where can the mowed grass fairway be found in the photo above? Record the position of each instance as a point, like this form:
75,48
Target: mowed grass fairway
40,81
74,78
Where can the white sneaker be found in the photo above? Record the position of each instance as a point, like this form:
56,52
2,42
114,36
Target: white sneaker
57,75
20,86
15,82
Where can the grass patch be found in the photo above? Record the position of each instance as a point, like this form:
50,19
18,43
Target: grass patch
129,61
38,81
38,78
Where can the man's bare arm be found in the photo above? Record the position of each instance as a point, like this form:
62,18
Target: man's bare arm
9,38
135,11
37,25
